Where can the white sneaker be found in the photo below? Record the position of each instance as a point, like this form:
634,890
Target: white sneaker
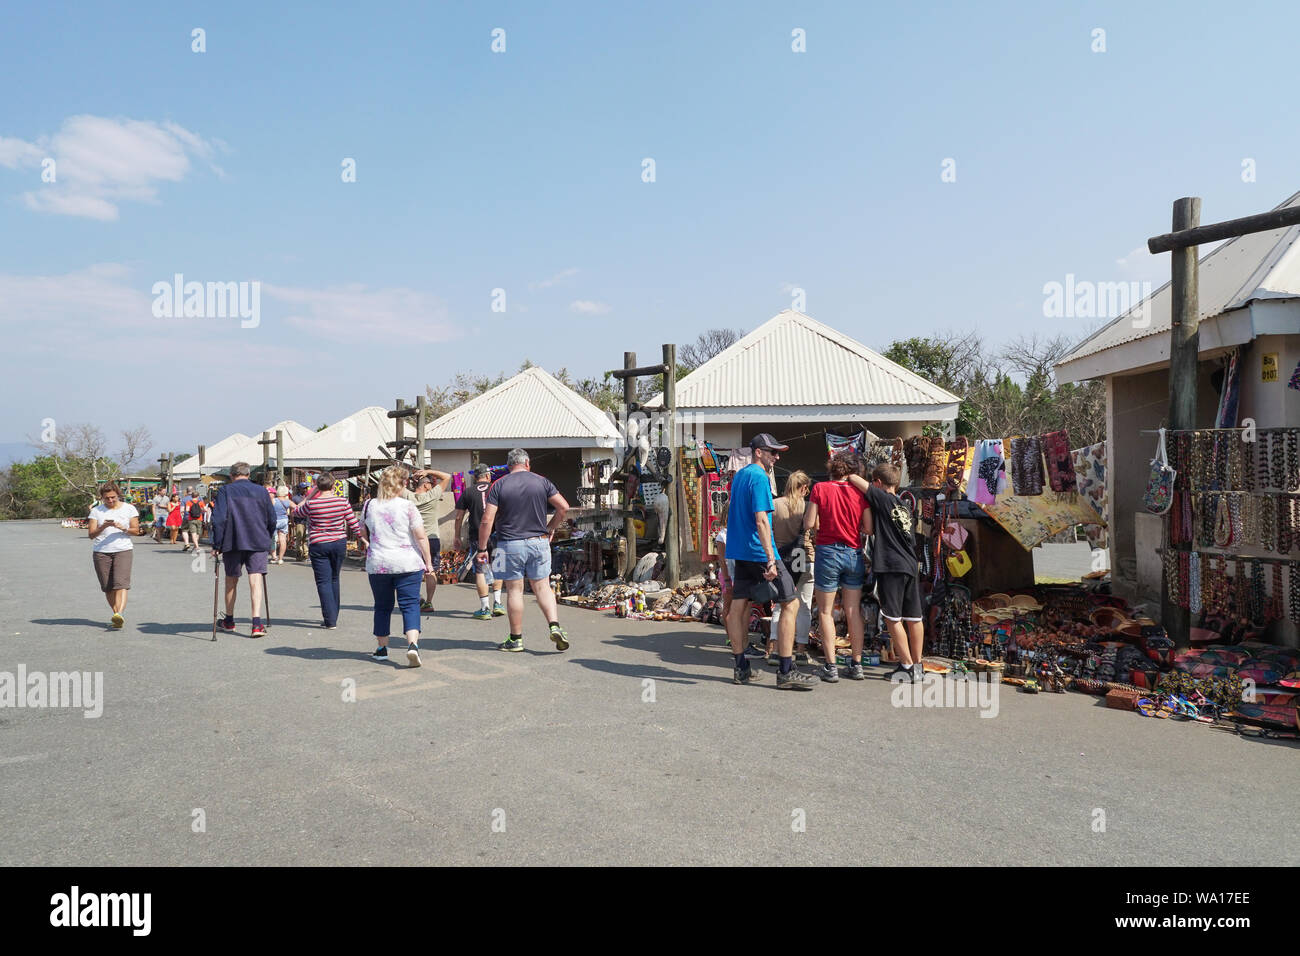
413,656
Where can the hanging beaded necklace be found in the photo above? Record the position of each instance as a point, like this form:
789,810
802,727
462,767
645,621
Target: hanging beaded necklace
1292,461
1219,460
1249,520
1277,460
1173,580
1293,574
1240,588
1275,599
1267,521
1222,522
1247,462
1236,462
1194,582
1285,526
1256,606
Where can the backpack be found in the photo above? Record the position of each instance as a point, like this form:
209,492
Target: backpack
196,510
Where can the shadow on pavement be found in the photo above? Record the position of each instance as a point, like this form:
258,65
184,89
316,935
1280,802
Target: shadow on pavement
643,671
73,622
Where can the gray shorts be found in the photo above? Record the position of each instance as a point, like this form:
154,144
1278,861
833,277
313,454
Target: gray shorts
113,568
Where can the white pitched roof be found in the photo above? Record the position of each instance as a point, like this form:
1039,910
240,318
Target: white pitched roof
1264,265
347,442
794,361
531,408
189,468
251,452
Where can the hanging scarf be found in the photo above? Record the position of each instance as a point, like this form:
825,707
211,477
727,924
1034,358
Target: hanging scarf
1227,414
1027,465
990,471
845,445
1060,465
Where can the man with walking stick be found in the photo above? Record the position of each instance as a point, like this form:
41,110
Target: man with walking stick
243,526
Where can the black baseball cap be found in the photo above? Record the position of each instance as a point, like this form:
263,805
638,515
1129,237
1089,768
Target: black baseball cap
765,440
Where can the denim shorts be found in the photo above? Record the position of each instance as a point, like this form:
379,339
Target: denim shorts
282,525
838,566
526,558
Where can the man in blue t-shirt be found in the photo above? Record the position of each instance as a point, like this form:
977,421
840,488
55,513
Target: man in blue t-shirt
759,575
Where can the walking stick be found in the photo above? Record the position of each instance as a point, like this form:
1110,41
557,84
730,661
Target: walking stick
266,599
216,580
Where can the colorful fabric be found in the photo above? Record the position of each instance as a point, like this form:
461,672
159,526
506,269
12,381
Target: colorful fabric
957,471
1027,465
1090,483
990,471
1060,464
1226,417
846,445
1033,518
1295,378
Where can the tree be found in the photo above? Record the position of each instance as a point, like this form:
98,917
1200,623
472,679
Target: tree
83,461
709,344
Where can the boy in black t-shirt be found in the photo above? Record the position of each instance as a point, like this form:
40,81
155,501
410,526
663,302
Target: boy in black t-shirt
894,563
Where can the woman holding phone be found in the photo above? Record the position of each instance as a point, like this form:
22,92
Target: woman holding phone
112,523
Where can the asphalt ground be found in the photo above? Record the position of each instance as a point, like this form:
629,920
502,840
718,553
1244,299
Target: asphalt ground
543,757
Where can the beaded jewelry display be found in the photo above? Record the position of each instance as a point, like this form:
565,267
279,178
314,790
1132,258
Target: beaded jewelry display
1257,601
1261,461
1236,462
1172,579
1247,450
1285,525
1240,588
1292,461
1277,460
1249,520
1219,460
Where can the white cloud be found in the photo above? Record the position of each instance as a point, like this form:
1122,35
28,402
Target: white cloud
101,162
588,307
352,313
555,279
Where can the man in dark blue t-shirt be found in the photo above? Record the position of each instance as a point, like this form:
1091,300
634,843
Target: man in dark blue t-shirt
516,509
759,575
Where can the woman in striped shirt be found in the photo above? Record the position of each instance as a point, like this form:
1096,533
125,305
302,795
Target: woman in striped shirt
329,522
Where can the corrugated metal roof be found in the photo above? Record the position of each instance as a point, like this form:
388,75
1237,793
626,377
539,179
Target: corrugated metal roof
190,467
353,438
251,452
794,360
533,404
1264,265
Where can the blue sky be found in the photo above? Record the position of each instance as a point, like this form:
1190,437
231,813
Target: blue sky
522,170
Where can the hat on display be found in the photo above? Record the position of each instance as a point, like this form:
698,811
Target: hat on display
765,440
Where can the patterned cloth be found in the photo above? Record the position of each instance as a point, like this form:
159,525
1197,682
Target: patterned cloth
1090,482
990,471
1027,465
845,445
1060,466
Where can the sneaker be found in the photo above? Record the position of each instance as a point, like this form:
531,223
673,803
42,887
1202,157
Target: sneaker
745,676
226,624
379,654
829,673
511,644
754,652
899,675
560,637
801,655
918,673
482,614
498,609
259,630
413,656
795,679
426,607
328,627
855,671
773,660
117,621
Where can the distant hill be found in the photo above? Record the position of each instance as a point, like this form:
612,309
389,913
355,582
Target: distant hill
15,451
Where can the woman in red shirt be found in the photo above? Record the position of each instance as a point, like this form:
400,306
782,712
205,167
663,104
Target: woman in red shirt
839,513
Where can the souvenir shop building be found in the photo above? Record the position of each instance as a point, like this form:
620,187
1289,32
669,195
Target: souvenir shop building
1250,350
796,379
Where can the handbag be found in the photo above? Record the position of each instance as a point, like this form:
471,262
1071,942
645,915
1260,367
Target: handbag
958,563
1160,485
954,535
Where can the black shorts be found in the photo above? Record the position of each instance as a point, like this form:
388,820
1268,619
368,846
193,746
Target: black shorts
899,594
750,585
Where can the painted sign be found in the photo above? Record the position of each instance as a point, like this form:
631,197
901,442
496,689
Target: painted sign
1269,369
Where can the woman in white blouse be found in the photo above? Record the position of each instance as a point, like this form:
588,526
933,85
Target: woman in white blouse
397,559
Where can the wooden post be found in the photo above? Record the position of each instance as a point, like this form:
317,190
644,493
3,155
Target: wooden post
629,526
399,452
266,453
279,456
421,422
1184,359
672,545
171,470
366,495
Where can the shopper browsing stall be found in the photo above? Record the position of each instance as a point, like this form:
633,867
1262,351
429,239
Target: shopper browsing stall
839,512
427,495
760,576
471,504
795,549
893,561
